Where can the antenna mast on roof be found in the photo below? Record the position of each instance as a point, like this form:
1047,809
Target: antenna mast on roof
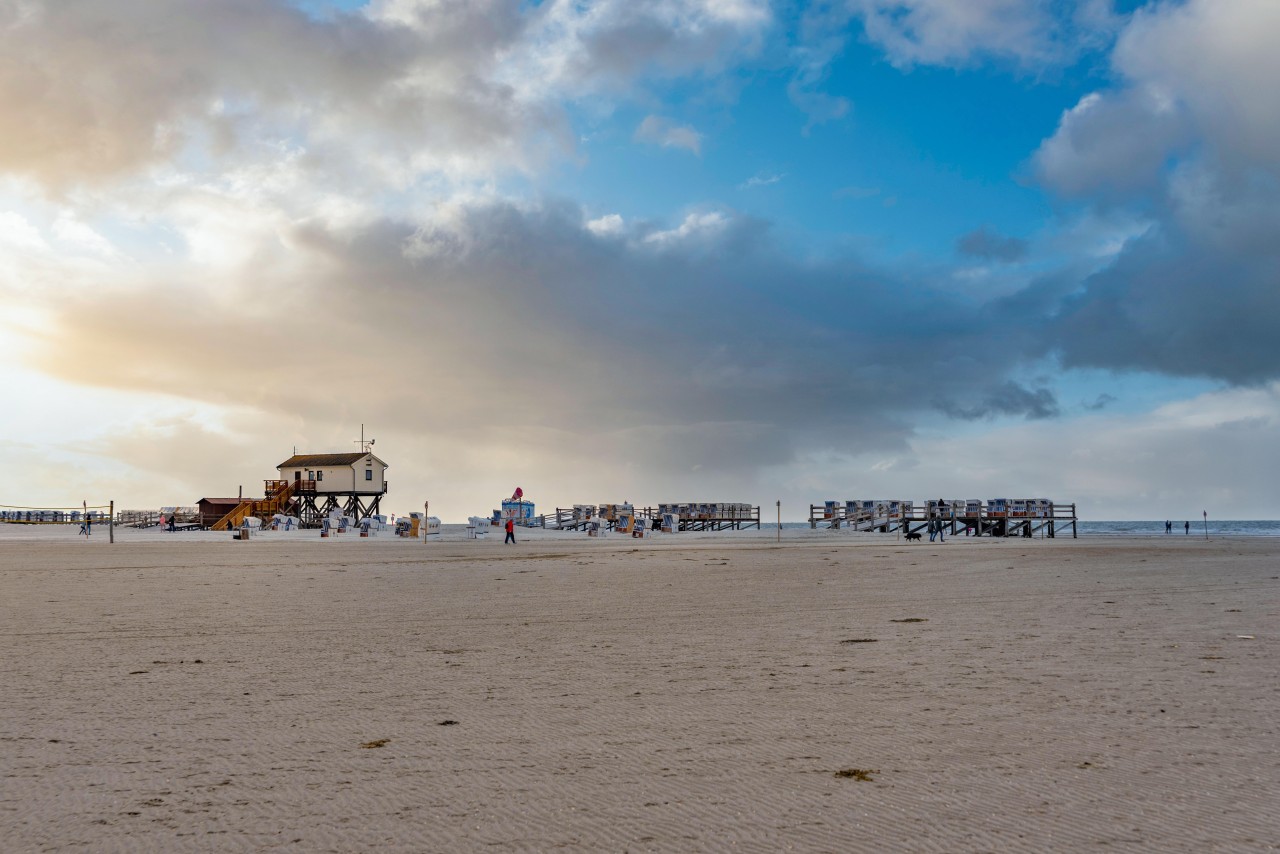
366,445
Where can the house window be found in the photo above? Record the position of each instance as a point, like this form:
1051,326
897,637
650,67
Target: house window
320,475
311,475
368,474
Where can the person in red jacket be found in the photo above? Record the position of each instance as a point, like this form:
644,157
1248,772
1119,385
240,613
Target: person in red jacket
511,532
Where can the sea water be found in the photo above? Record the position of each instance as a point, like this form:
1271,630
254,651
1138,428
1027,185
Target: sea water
1216,527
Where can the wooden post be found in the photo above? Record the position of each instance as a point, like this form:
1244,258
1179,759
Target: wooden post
779,539
426,512
111,523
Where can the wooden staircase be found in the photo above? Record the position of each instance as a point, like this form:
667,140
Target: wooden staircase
278,495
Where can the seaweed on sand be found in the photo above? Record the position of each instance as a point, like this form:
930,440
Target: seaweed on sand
862,775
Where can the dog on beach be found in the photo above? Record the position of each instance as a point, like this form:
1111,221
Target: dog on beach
912,535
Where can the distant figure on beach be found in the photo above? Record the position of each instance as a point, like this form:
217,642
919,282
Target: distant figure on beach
173,523
511,532
1168,527
1186,528
86,527
162,522
935,528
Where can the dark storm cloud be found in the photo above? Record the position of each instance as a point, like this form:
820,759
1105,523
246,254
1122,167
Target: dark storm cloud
1176,306
1007,399
706,336
992,246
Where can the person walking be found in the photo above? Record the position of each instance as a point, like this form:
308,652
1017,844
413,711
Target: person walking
1186,527
511,532
1168,526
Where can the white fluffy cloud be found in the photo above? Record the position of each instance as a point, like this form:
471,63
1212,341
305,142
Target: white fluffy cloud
91,90
1198,74
947,32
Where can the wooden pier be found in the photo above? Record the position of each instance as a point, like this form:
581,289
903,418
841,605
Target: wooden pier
990,518
716,516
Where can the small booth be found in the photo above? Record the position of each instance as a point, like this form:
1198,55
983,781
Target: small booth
518,510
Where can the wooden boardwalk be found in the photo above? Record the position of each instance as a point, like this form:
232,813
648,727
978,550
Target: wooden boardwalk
992,518
685,517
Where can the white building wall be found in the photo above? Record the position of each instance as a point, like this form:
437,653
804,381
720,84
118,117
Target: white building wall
343,478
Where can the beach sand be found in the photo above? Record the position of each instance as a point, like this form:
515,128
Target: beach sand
680,694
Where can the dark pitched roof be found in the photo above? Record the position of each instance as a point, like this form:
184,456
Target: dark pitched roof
218,501
320,460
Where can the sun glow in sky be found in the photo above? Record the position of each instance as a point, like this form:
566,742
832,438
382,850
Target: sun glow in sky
689,250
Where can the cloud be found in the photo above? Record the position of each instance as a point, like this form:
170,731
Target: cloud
17,233
1007,399
822,36
696,226
760,180
991,246
578,48
1194,150
609,224
1113,146
1101,402
91,92
494,300
944,32
94,90
658,130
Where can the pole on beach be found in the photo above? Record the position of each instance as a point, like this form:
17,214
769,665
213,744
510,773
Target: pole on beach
426,511
1206,523
111,522
779,539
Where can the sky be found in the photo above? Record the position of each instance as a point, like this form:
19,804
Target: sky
665,251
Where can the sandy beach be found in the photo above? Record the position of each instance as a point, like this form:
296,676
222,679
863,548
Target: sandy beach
838,692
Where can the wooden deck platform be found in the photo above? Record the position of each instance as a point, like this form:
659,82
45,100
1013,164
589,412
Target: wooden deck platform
1047,519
